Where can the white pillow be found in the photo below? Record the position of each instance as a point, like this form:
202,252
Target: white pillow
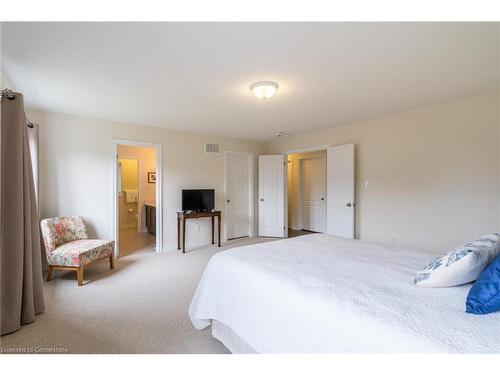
461,265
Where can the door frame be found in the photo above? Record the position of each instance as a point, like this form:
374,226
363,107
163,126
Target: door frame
309,149
158,193
299,151
251,199
301,188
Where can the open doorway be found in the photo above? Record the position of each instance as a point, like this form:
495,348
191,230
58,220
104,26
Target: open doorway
306,180
321,199
137,208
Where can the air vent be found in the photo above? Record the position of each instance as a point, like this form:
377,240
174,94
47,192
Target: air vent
211,148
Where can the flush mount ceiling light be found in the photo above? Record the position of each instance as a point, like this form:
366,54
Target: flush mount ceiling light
264,89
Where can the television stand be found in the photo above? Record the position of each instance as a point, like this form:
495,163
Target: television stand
181,222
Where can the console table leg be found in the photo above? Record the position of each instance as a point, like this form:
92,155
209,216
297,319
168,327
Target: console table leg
213,225
183,235
218,221
178,233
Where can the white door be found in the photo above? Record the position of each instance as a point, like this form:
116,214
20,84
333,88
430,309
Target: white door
313,188
340,190
237,195
271,196
289,191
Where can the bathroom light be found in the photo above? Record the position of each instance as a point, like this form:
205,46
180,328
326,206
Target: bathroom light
264,89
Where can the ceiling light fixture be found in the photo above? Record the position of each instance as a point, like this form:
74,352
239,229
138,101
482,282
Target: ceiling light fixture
264,89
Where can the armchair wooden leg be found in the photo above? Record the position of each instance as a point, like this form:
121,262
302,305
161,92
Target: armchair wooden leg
112,262
49,273
79,276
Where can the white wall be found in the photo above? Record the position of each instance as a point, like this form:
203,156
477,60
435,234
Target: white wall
76,163
4,82
434,173
498,154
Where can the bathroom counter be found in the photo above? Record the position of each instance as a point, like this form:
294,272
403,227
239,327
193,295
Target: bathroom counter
150,217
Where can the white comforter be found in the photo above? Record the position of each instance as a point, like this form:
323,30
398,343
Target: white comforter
319,293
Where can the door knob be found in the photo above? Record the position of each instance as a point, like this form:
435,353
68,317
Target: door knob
228,201
322,198
349,204
262,199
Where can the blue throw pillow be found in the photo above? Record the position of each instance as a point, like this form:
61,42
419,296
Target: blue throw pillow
484,296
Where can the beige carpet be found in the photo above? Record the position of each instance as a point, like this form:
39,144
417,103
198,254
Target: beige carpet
140,307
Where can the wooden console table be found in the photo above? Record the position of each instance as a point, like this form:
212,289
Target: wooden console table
181,219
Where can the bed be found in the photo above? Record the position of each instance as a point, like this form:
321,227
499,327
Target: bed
323,294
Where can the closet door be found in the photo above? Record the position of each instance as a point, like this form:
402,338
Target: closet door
238,218
313,187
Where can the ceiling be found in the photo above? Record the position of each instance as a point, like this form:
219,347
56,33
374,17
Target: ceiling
196,76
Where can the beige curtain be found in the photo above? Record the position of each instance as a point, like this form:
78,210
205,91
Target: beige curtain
20,258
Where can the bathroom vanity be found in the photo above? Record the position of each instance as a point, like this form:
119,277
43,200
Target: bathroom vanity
150,217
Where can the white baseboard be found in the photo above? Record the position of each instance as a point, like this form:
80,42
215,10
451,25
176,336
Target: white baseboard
167,248
173,246
195,245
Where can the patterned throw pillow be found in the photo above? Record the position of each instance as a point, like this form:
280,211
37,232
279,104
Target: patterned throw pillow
461,265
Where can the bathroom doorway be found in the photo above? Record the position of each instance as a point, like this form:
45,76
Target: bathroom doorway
137,200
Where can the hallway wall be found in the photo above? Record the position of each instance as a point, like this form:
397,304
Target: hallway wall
76,170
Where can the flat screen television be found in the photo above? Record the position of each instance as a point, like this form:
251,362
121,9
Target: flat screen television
198,199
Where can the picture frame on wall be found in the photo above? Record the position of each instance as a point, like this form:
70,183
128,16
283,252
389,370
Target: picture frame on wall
151,177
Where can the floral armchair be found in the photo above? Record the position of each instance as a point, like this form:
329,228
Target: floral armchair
68,247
